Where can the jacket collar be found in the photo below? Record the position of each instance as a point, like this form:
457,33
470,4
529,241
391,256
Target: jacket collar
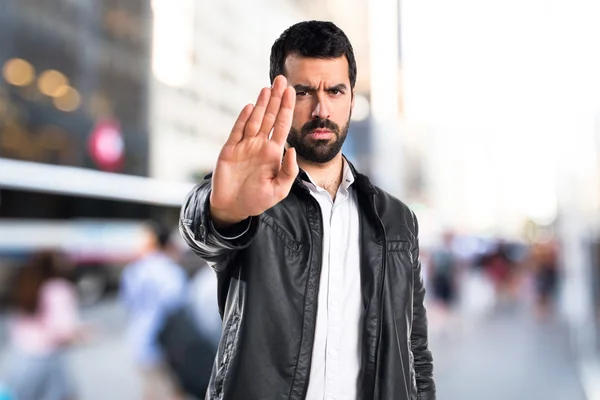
362,181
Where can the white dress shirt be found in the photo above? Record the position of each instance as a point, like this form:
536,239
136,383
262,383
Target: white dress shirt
336,349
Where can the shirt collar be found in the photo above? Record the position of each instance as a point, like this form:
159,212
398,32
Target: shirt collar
347,178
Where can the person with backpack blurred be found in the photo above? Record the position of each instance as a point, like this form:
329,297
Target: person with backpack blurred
151,288
190,335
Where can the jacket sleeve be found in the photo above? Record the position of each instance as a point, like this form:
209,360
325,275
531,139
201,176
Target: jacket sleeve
419,342
199,233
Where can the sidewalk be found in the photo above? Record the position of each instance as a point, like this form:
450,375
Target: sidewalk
504,356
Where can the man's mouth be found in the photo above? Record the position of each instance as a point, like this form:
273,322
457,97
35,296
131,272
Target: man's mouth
321,134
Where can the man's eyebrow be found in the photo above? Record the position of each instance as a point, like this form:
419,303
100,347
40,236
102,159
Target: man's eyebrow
308,88
339,86
304,88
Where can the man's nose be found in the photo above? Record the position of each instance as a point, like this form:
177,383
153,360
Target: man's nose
321,110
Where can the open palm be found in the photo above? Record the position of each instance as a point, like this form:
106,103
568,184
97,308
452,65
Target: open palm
250,176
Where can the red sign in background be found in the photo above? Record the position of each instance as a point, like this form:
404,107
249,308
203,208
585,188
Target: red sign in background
106,146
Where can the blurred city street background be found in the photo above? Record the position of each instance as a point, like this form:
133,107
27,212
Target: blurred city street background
483,117
501,356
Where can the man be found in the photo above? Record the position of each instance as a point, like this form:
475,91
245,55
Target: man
319,275
151,288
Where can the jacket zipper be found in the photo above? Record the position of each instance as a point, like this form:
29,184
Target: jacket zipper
380,311
317,285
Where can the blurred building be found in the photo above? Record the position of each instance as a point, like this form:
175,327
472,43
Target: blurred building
69,67
73,92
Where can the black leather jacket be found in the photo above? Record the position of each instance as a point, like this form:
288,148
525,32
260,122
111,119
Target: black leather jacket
268,284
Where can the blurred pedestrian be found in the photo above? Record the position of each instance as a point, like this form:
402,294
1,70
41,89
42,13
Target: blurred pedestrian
44,324
502,270
151,288
443,280
443,272
546,274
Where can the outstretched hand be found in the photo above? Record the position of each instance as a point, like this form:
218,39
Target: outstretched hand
250,176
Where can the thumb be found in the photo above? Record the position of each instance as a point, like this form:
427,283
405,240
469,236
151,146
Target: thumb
287,173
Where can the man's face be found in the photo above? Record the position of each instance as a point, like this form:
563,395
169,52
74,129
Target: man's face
324,102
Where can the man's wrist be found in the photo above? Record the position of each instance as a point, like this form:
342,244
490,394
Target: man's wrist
223,220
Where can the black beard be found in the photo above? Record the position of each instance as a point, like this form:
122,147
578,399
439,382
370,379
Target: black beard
318,151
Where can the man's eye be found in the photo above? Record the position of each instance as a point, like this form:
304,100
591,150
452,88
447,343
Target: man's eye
335,92
301,94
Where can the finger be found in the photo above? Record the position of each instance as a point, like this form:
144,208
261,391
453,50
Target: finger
283,123
279,85
286,175
237,133
253,124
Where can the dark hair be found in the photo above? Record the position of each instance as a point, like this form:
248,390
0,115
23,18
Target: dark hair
162,233
312,39
40,268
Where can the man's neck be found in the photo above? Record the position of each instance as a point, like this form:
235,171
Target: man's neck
327,176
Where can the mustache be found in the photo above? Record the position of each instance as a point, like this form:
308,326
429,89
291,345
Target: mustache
320,123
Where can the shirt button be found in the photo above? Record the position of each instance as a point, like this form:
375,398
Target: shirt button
332,353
